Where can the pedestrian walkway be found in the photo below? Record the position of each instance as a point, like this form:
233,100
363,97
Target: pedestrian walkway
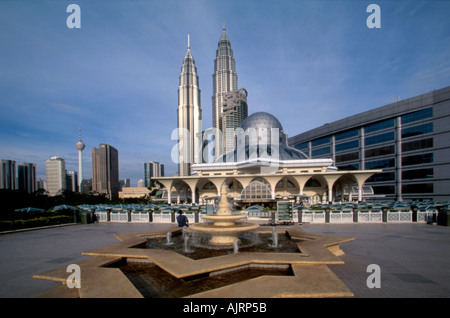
413,258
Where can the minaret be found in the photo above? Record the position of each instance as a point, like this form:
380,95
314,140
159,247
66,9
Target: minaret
80,146
224,80
189,116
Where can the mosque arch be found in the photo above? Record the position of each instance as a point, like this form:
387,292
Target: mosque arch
182,191
350,187
209,186
258,188
315,187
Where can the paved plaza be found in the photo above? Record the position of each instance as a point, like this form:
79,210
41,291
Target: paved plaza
413,258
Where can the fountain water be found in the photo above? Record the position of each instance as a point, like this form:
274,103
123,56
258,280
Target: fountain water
224,230
186,244
169,238
235,247
185,231
274,238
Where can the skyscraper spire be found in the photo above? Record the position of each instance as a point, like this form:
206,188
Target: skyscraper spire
224,80
189,116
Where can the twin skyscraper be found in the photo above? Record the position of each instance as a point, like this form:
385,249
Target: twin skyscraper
229,108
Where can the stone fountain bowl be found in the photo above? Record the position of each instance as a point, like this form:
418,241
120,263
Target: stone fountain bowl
224,220
214,228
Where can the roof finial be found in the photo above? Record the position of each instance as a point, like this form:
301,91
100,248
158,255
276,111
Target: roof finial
189,44
223,27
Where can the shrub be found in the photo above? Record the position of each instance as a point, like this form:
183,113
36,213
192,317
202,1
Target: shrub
36,222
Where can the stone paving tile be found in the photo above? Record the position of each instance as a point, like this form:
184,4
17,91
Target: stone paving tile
414,258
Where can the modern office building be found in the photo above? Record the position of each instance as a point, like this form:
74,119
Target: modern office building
225,80
409,140
7,174
41,184
235,110
189,116
72,181
55,170
26,177
125,183
105,170
86,185
152,169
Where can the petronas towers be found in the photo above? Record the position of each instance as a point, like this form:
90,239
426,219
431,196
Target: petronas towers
227,110
189,116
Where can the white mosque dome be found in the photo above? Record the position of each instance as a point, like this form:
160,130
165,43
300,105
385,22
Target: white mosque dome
263,122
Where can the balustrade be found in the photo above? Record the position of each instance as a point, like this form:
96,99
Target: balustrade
306,216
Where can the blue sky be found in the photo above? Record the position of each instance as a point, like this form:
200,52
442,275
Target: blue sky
116,78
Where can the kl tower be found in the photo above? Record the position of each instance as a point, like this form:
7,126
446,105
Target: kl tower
80,146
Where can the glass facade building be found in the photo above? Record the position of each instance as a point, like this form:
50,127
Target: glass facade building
409,140
7,174
152,169
105,171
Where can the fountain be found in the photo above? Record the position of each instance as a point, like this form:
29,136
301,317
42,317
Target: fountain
235,247
186,244
274,238
169,238
223,229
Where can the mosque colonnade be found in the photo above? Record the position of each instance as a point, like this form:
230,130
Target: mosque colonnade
259,188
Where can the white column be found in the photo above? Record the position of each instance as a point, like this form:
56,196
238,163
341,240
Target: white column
80,169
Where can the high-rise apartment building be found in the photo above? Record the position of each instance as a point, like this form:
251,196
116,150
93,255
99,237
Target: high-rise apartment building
105,170
152,169
189,116
26,177
55,169
235,110
7,174
224,81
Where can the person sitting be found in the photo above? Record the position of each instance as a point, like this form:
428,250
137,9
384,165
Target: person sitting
182,219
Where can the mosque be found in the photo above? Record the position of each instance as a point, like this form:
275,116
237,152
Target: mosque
263,169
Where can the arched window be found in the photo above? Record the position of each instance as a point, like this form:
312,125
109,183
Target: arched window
209,186
257,189
313,183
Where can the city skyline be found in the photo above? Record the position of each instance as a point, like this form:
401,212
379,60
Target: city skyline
306,62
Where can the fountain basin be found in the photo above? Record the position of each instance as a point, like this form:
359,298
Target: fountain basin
224,235
236,228
224,220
